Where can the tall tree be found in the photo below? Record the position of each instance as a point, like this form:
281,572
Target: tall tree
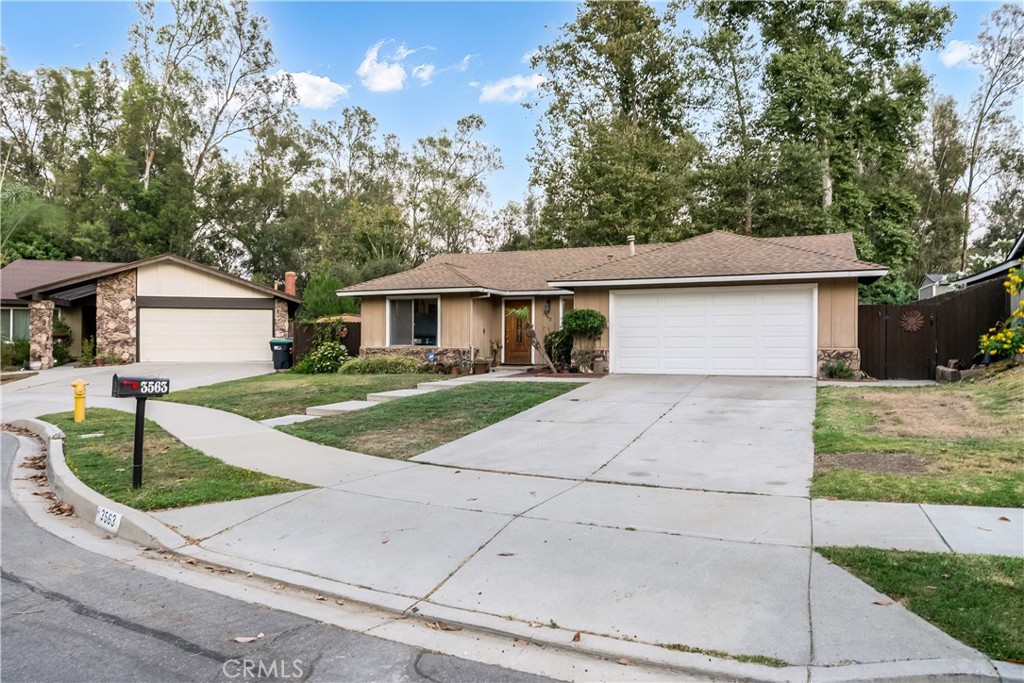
613,151
1000,53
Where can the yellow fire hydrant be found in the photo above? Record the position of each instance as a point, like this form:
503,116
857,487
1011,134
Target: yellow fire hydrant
79,386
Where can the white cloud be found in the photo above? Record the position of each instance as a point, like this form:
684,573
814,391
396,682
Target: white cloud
511,89
317,92
385,74
527,57
957,53
424,72
463,63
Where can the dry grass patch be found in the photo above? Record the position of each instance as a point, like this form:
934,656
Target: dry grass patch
956,443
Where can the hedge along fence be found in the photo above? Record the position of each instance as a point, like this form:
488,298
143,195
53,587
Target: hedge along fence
304,338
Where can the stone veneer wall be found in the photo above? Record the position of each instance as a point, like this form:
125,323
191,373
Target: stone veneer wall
40,334
116,322
280,318
442,354
850,356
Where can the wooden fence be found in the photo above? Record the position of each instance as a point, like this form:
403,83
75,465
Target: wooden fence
907,341
304,334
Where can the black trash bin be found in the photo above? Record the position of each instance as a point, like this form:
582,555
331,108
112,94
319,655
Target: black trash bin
282,350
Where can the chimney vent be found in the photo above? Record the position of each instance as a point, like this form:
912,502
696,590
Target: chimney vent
632,245
289,283
76,258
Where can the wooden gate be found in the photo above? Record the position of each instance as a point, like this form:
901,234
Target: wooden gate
907,341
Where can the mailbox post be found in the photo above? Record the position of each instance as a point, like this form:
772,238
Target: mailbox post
139,388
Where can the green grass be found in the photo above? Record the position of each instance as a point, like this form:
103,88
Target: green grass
406,427
752,659
965,440
285,393
977,599
173,474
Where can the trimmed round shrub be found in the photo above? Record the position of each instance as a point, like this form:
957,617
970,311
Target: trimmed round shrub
558,346
383,365
325,358
584,323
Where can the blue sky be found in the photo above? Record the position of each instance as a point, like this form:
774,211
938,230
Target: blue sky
434,62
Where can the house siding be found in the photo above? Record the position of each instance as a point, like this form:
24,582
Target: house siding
173,279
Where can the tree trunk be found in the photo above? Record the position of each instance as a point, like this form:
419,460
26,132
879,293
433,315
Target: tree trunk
826,178
150,155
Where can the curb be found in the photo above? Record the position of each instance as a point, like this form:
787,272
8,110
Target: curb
129,523
138,527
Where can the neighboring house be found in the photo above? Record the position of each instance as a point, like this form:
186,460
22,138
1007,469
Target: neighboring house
25,274
933,284
719,303
164,308
1013,260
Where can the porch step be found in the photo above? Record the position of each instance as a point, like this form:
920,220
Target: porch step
382,396
338,408
287,420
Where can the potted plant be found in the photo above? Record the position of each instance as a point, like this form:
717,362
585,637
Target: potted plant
495,350
453,367
481,366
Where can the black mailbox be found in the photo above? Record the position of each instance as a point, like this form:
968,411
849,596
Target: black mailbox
140,387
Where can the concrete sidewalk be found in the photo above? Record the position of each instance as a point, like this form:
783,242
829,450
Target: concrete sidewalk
632,567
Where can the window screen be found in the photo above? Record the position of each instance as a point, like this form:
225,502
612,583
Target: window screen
413,322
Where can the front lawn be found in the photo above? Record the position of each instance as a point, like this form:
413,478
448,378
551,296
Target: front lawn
954,443
286,393
406,427
99,452
977,599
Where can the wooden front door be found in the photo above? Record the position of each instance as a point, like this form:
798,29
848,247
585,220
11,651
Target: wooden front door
517,345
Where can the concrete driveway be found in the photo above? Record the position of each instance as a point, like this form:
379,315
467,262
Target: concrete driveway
733,434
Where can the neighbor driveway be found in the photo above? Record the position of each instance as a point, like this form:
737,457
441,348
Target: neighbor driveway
735,434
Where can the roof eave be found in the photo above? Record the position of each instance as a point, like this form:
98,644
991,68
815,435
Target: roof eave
426,291
867,275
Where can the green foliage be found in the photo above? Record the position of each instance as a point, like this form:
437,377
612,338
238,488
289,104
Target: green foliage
326,357
15,354
62,340
888,290
838,369
584,323
319,299
383,365
558,345
88,351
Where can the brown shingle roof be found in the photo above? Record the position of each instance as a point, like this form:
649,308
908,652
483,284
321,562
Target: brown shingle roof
24,274
713,254
725,254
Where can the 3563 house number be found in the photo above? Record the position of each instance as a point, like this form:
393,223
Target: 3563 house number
154,386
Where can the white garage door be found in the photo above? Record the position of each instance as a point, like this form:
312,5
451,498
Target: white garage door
766,330
204,335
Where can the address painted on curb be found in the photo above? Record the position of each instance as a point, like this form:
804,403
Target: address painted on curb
107,519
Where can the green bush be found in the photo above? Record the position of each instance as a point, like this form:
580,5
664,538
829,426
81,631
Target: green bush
63,338
838,369
88,351
383,365
325,358
558,346
15,354
584,323
320,299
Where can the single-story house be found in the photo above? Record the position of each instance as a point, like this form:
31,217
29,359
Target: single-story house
719,303
933,284
23,274
164,308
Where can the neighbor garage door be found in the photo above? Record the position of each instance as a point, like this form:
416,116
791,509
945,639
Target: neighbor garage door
204,335
768,330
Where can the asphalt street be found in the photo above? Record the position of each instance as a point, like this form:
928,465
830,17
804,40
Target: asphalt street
71,615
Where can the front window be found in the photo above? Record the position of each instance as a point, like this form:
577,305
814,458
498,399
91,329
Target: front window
14,324
413,322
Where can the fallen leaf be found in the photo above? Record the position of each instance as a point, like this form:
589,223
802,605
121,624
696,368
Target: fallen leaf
984,529
505,554
106,537
535,624
931,587
442,626
278,586
339,601
190,561
384,540
260,634
520,641
1003,518
397,617
883,603
470,500
946,576
249,575
320,597
624,661
415,609
244,639
576,638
